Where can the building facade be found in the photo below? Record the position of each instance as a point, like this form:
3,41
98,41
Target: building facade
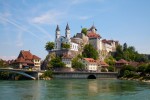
59,40
90,64
26,60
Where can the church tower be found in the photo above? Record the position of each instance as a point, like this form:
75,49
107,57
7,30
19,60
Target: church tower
57,43
57,32
67,32
93,29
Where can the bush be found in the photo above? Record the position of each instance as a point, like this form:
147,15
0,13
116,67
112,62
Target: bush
103,70
47,73
147,70
111,69
129,74
136,76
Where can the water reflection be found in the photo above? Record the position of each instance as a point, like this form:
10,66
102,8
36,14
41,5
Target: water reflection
101,89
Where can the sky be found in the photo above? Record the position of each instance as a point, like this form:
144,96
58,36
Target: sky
29,24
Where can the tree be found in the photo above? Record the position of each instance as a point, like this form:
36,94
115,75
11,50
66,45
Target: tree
141,68
3,63
147,70
77,64
65,45
84,31
125,47
110,60
56,63
111,69
127,68
49,46
119,53
90,52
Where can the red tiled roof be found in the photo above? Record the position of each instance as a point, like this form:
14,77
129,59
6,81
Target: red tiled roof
26,57
35,57
67,56
93,35
29,62
90,60
20,60
134,63
106,41
102,63
122,61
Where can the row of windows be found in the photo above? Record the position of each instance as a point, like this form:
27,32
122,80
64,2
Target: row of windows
92,68
36,60
67,62
66,59
74,46
36,63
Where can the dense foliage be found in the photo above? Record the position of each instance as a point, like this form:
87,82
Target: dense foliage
65,45
47,73
110,61
129,54
111,69
132,72
3,63
84,31
90,52
76,64
49,46
56,63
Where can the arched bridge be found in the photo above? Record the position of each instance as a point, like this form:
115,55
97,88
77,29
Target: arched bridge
85,75
30,74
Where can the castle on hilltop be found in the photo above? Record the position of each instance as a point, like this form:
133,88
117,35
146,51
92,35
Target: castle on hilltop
77,42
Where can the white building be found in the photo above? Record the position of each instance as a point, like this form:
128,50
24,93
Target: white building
90,63
67,59
59,40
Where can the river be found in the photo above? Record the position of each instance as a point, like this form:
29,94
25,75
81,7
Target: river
74,89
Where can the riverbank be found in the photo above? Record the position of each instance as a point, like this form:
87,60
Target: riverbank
141,79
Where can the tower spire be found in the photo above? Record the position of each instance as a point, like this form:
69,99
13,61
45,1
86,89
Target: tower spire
67,27
57,28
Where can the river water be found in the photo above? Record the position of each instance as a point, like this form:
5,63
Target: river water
74,89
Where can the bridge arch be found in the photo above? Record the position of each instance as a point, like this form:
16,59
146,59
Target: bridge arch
91,77
18,72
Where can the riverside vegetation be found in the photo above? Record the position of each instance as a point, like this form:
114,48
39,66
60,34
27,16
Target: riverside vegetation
140,73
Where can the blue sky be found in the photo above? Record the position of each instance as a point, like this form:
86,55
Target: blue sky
29,24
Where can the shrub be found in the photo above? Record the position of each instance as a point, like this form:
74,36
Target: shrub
111,69
103,70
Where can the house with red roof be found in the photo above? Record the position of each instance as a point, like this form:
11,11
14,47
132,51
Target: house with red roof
120,63
27,60
102,65
90,63
67,59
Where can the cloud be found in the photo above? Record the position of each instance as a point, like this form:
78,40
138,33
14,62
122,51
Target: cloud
84,17
19,41
4,15
42,30
21,28
50,17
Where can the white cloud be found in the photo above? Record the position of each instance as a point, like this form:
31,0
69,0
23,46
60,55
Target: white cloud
84,17
50,17
4,15
19,41
42,30
22,28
